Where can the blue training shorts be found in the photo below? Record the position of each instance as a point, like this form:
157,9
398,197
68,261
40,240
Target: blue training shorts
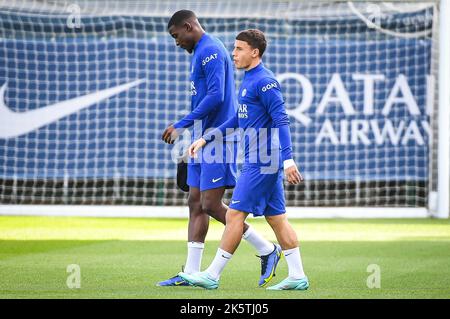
211,175
259,194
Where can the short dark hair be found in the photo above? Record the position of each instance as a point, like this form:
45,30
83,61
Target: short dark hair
180,17
255,38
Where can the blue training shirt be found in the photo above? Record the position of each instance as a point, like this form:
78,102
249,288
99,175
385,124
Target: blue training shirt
212,85
261,105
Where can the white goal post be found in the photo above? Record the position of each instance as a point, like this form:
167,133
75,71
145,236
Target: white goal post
443,190
88,86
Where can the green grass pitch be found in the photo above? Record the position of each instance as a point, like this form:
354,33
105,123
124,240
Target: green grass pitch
125,258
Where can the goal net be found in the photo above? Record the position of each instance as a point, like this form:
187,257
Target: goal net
87,88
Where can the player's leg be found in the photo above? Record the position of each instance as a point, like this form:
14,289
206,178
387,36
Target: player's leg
214,180
234,228
287,237
211,203
197,229
231,238
198,219
230,241
252,194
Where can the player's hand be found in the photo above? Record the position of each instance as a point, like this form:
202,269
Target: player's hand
170,134
293,176
194,148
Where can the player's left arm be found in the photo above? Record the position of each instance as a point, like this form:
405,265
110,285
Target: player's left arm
213,65
270,95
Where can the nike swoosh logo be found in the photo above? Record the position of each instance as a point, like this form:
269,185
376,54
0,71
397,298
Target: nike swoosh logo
235,201
216,180
13,124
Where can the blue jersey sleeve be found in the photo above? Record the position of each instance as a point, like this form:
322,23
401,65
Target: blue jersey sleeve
213,66
232,122
269,92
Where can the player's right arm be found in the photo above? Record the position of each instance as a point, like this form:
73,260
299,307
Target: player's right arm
232,122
